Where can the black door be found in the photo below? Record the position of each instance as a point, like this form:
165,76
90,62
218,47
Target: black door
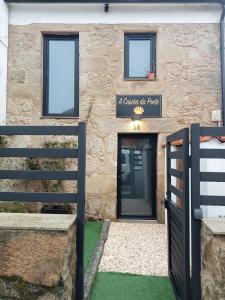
136,176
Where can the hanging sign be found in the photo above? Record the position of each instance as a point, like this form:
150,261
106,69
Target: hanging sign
144,106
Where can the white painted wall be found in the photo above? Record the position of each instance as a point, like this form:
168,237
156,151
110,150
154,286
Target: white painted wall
207,188
213,188
3,59
27,13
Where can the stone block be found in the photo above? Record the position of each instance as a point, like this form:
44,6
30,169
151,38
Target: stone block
17,77
37,256
213,259
101,184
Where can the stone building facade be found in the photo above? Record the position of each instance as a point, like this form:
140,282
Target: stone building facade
188,78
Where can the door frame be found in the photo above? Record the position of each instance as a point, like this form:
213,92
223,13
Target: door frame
153,216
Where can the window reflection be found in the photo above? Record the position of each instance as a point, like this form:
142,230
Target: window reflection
139,58
61,77
140,55
136,177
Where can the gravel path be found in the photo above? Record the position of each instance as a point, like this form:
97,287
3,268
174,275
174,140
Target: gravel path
136,248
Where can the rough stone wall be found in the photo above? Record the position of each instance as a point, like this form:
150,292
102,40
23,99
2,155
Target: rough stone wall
37,262
188,78
213,265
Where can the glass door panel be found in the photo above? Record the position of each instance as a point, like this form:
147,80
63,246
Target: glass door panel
136,176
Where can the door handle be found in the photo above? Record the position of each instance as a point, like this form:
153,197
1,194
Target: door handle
166,203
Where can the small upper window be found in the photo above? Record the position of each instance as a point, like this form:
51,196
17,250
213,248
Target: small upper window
140,54
61,82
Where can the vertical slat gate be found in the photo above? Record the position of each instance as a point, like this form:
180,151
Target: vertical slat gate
177,204
186,280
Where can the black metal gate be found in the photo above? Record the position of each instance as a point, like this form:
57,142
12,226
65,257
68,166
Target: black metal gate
184,214
72,197
177,204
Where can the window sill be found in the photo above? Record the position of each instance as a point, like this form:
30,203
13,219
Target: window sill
59,117
139,79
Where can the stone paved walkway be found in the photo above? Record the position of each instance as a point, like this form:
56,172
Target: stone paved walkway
136,248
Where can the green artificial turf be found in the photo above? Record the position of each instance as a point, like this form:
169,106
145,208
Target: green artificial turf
119,286
92,235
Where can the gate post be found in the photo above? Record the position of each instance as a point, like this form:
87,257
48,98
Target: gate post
195,208
186,214
81,211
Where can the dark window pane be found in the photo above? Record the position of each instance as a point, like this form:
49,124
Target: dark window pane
139,58
61,89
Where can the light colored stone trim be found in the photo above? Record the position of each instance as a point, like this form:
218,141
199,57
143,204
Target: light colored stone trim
25,221
215,225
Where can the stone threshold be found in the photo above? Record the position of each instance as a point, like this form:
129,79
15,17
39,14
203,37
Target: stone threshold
95,261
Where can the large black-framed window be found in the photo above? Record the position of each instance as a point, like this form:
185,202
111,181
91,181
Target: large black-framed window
140,55
61,75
